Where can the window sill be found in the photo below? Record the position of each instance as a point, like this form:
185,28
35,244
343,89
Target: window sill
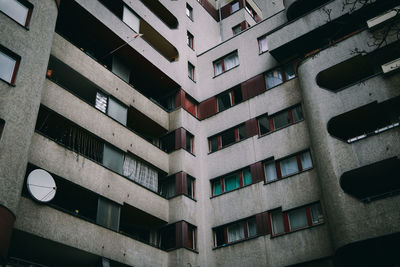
287,176
226,192
191,79
9,84
215,76
237,242
276,130
297,230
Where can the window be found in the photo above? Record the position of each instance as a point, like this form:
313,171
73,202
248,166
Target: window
227,137
228,62
299,218
189,11
191,71
108,214
192,236
231,181
262,44
279,75
228,99
237,29
2,123
234,232
131,19
167,187
189,142
234,7
190,39
9,63
190,187
279,120
275,170
20,11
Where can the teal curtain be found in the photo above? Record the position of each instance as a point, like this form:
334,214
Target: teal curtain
232,182
246,176
217,188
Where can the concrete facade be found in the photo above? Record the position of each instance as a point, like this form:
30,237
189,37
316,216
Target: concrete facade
183,228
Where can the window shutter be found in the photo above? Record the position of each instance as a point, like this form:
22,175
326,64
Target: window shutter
225,11
262,223
207,108
257,173
251,127
253,87
180,138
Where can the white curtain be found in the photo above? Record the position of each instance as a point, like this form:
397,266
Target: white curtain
306,160
231,61
101,102
277,222
235,232
140,173
252,227
218,67
273,78
289,166
263,44
270,171
297,218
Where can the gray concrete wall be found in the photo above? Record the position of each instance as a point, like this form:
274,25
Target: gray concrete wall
350,220
19,105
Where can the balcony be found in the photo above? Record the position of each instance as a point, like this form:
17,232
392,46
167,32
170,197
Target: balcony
99,42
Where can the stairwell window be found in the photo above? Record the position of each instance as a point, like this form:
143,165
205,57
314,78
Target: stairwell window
191,71
9,63
18,10
131,19
262,44
189,11
226,63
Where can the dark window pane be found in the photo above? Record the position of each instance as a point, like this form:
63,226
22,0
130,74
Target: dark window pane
237,95
113,159
168,237
214,143
263,123
242,132
190,186
228,137
277,222
189,142
289,71
224,102
219,237
281,120
297,114
168,142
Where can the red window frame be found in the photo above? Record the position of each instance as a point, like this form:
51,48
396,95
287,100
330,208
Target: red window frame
17,60
222,181
270,118
222,60
278,165
190,39
244,225
286,222
219,137
29,6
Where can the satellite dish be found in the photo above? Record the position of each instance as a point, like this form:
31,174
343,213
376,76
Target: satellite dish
41,185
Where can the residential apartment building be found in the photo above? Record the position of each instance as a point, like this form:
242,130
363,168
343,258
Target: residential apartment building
199,133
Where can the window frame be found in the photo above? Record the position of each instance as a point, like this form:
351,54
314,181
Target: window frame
26,4
272,123
222,62
278,169
239,26
191,70
286,218
189,11
190,40
243,223
17,59
221,181
282,71
231,7
259,39
220,144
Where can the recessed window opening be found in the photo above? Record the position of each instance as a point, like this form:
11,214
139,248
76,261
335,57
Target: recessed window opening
226,63
280,75
191,73
9,63
231,181
230,98
262,44
18,10
189,11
